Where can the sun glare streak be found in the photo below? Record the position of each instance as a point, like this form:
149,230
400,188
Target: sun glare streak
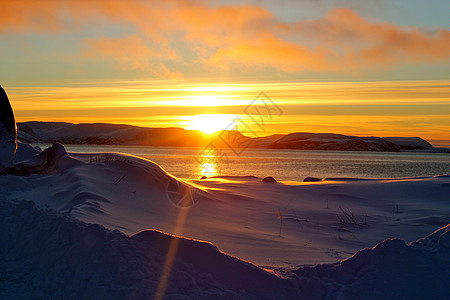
171,254
184,200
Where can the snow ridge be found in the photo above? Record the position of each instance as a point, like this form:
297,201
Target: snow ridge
390,270
46,254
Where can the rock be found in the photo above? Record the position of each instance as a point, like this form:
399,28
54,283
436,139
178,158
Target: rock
55,152
269,180
50,159
26,152
311,179
8,132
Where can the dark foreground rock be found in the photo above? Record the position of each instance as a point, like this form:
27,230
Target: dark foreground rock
8,133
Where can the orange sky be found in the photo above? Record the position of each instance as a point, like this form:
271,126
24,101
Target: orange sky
352,67
409,108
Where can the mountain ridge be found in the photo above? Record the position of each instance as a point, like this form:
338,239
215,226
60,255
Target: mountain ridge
122,134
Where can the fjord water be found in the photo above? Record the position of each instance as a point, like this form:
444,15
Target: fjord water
292,165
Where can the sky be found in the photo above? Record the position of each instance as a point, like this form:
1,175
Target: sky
344,66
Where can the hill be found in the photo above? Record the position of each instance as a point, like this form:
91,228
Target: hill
119,134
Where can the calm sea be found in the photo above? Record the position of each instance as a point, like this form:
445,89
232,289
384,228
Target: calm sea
283,164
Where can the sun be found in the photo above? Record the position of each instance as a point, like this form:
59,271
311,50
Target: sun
210,123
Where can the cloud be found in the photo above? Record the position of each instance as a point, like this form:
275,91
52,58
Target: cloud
357,43
133,53
195,34
268,52
38,16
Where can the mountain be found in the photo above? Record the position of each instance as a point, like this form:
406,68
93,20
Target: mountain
329,141
106,134
410,143
119,134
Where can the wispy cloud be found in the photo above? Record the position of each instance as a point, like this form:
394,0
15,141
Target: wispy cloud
131,52
173,35
358,43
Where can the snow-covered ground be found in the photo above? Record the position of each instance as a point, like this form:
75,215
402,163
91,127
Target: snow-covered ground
50,247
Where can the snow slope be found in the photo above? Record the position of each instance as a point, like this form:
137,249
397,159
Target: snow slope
271,225
49,255
390,270
45,254
50,246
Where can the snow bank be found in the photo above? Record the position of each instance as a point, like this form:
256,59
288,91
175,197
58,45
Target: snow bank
390,270
46,254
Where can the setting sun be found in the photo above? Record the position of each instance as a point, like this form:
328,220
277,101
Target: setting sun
209,123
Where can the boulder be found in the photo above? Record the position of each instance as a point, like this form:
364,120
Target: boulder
26,152
269,180
55,153
311,179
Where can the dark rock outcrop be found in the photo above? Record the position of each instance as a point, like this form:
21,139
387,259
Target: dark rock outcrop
311,179
269,180
8,133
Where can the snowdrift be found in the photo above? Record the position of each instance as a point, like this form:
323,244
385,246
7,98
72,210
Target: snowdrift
390,270
46,254
271,225
107,187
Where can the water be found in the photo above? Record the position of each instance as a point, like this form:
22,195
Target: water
284,164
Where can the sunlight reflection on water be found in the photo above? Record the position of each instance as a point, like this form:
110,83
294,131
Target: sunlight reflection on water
285,164
208,169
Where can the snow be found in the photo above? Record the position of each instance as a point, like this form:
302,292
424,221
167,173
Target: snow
45,254
102,225
51,255
390,270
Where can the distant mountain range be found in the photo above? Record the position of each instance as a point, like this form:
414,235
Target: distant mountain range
117,134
